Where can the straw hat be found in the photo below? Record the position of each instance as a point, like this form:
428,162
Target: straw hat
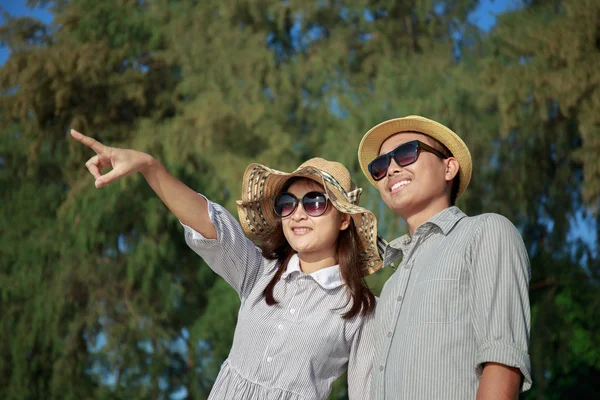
370,144
261,184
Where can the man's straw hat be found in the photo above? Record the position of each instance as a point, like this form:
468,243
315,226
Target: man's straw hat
371,142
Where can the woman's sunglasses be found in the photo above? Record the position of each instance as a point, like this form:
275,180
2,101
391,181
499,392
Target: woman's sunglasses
403,155
314,204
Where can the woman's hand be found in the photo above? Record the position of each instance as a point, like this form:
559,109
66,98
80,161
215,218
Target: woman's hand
186,204
122,161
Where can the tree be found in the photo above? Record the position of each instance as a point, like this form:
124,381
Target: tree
104,296
540,79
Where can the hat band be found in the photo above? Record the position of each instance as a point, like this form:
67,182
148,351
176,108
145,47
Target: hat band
353,196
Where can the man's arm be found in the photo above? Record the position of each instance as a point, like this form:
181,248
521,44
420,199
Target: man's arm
500,308
499,382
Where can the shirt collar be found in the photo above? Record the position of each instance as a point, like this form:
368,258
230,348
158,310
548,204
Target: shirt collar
443,220
327,278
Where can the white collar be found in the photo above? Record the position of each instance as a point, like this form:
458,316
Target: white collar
327,278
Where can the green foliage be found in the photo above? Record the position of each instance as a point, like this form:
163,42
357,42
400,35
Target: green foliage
99,294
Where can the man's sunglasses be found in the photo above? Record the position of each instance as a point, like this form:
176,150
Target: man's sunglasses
403,155
314,204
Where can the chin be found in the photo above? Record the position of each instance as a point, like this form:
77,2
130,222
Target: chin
298,247
400,207
395,203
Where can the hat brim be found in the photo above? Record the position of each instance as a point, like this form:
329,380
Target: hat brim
258,219
371,143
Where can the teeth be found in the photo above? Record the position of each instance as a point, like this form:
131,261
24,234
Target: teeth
301,230
400,184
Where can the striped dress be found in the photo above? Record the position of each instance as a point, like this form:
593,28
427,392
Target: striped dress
293,350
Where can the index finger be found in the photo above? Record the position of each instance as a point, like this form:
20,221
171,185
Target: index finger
88,141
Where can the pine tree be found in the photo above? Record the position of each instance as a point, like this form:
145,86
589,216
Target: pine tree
99,293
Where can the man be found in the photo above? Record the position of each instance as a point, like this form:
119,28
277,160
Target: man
453,320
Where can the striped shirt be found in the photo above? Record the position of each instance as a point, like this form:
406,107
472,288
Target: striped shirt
293,350
458,299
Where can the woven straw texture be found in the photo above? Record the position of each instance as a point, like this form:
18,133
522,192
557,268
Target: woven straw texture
261,184
371,142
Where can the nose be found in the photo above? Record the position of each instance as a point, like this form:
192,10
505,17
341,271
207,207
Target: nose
393,168
299,214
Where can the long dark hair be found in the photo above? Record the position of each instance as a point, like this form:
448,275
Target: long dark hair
276,247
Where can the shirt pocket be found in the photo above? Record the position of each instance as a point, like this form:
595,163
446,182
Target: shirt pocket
436,294
435,302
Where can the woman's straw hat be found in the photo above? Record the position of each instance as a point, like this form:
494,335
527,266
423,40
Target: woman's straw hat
261,184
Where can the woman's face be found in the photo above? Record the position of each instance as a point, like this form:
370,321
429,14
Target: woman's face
313,238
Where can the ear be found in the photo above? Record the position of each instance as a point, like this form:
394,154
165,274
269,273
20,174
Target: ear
452,168
345,221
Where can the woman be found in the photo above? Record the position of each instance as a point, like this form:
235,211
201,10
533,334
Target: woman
306,314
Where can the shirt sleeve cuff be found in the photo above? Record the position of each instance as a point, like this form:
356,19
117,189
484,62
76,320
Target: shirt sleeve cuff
509,355
195,235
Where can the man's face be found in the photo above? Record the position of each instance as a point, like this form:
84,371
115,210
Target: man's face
417,187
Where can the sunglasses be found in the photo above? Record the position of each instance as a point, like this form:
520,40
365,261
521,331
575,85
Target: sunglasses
313,203
405,154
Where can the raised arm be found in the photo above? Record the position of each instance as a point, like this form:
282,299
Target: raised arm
190,208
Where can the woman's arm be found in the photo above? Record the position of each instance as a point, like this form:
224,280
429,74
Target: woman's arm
360,361
222,243
190,208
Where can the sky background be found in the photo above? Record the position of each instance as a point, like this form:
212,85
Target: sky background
484,16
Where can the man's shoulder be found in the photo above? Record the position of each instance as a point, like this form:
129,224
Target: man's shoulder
492,226
492,219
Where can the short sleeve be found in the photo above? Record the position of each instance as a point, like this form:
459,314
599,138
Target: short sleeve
232,255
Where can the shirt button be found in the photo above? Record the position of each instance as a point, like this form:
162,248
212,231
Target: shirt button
280,327
408,265
399,298
293,310
269,359
381,367
389,334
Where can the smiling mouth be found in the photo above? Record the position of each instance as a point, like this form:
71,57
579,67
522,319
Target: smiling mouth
301,231
398,186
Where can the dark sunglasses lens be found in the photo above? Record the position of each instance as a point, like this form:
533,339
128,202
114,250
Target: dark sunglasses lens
406,154
285,204
314,203
379,167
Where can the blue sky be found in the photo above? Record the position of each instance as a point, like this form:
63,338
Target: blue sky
17,8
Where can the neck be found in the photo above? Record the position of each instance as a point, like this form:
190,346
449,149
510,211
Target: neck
310,263
419,217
